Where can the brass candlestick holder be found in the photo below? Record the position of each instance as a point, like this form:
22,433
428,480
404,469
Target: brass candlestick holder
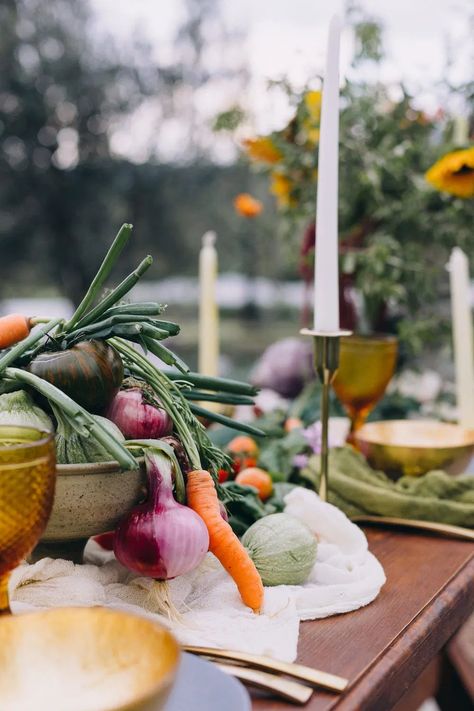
326,362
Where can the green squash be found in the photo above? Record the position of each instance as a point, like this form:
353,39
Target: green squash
74,448
282,548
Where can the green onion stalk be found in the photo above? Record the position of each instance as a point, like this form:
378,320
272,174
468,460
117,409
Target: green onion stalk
208,383
105,268
114,296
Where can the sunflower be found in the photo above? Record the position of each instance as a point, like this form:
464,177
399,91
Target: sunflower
281,187
454,173
247,206
312,100
262,149
312,135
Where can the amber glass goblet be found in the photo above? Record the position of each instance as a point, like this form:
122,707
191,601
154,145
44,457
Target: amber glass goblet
366,366
27,479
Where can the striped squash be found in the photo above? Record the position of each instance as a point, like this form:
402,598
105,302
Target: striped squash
90,372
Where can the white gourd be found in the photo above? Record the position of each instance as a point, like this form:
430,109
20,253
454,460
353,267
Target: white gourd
282,548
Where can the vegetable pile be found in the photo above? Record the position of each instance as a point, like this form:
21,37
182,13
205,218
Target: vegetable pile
99,382
91,365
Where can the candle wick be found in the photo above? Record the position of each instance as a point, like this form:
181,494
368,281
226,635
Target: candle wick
209,239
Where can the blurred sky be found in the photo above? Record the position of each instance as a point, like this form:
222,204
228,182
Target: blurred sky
287,38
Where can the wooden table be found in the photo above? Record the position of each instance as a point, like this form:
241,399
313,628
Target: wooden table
383,648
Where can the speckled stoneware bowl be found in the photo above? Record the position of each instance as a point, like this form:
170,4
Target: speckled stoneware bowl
90,499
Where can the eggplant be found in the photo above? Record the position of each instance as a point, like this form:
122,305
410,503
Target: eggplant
90,372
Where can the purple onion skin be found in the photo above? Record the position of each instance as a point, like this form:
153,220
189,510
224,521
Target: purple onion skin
136,419
161,538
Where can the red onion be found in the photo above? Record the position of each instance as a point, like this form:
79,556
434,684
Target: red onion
161,538
136,418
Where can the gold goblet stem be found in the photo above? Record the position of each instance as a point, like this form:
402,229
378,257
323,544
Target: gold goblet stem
323,484
326,361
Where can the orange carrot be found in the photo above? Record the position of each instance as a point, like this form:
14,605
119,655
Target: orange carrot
202,498
13,328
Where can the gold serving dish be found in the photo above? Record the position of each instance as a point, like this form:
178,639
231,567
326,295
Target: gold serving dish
85,659
414,447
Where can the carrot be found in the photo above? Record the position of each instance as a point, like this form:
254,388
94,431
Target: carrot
202,498
13,328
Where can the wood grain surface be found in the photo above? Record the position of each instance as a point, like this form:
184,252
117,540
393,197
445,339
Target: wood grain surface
383,648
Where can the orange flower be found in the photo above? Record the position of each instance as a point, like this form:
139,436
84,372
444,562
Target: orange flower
262,149
247,206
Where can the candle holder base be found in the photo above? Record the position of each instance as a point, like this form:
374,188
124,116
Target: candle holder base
326,362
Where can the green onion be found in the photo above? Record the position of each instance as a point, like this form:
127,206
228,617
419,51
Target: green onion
114,326
227,421
105,268
172,328
207,383
164,354
142,308
116,294
224,398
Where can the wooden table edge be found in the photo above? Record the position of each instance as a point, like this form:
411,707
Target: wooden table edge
424,634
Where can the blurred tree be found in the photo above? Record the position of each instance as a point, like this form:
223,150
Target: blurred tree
58,95
368,34
63,192
212,66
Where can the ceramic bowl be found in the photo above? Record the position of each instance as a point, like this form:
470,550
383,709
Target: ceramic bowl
414,447
85,659
91,499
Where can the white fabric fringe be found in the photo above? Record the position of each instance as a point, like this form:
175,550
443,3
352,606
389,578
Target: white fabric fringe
207,606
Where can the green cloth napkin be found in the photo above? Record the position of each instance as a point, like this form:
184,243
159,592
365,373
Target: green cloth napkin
357,489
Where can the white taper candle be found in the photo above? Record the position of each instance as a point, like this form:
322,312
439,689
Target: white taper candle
326,276
461,313
208,350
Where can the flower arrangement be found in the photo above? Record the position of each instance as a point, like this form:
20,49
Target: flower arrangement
395,229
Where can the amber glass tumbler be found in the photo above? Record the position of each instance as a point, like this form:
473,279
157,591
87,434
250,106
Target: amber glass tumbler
27,480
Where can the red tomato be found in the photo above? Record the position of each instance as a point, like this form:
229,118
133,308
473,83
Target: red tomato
222,475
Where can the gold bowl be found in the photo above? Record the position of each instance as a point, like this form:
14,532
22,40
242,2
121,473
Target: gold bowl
414,447
85,659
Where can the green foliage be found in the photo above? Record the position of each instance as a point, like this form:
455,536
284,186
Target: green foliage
368,35
229,120
243,506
